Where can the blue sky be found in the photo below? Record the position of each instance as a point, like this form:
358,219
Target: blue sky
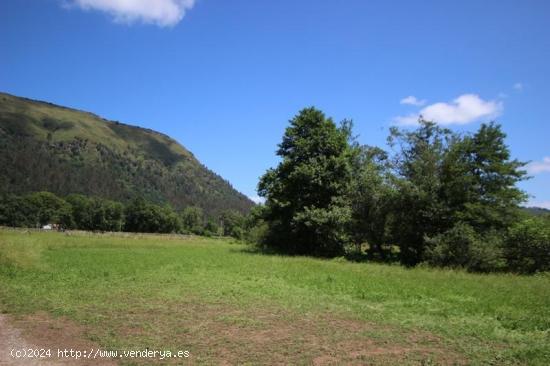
224,77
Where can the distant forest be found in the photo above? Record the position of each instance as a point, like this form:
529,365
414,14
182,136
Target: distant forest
75,211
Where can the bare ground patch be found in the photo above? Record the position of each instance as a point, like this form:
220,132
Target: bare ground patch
41,331
222,334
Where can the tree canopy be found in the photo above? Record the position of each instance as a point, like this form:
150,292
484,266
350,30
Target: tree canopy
307,209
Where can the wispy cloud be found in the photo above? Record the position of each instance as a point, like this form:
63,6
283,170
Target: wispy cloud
465,109
160,12
518,86
541,204
257,199
538,167
412,100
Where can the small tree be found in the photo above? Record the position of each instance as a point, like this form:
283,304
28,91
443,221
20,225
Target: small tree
81,211
193,220
371,197
16,211
419,210
233,224
149,218
211,228
528,245
47,208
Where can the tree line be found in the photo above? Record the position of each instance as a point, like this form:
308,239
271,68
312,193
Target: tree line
434,196
76,211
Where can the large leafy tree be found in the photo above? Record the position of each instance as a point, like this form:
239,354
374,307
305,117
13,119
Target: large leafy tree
445,180
47,208
372,196
145,217
306,194
419,209
480,180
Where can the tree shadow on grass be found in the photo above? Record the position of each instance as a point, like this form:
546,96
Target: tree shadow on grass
351,256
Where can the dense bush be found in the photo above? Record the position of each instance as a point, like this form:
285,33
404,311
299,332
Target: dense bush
192,220
96,214
255,226
144,217
528,246
233,224
211,228
462,247
16,211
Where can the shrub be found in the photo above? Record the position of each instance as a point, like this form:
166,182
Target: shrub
233,223
528,246
193,220
145,217
462,247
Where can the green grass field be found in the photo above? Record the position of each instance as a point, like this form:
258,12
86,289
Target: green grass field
224,302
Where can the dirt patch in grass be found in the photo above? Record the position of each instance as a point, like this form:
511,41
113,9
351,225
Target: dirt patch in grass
216,333
43,332
222,334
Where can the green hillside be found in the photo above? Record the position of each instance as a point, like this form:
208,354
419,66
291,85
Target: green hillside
62,150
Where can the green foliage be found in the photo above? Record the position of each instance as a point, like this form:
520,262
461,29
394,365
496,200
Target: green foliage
480,184
233,224
211,228
16,211
193,220
255,226
96,214
47,208
445,198
528,245
420,211
82,211
444,179
144,217
462,247
371,197
306,206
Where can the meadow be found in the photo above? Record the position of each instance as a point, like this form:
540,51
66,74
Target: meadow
225,302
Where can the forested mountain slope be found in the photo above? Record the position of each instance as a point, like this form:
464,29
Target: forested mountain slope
62,150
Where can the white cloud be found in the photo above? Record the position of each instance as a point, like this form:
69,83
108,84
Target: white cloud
541,204
518,86
257,199
160,12
538,167
411,100
465,109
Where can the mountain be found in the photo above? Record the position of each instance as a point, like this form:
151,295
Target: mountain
536,211
62,150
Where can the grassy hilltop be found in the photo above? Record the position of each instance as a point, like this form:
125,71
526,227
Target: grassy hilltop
223,302
62,150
